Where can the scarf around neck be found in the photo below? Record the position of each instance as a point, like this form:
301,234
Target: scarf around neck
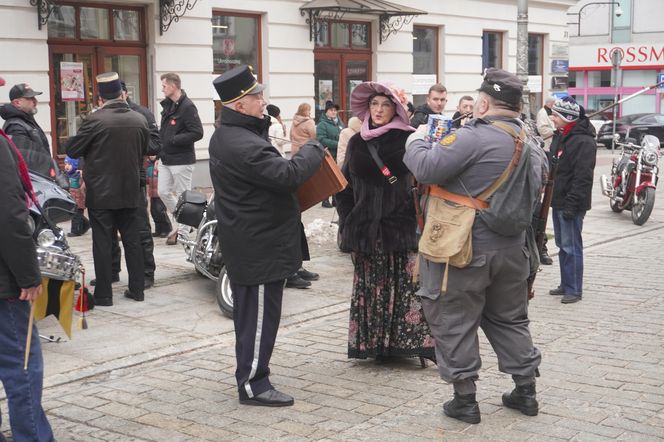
367,133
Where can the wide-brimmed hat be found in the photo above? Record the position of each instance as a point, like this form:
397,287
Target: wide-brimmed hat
359,99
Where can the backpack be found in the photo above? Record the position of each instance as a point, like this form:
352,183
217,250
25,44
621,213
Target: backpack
512,205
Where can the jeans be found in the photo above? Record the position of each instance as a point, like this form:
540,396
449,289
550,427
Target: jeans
23,387
570,256
173,180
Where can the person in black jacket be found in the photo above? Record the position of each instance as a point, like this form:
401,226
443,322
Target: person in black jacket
144,232
436,101
112,141
20,281
259,225
574,147
180,129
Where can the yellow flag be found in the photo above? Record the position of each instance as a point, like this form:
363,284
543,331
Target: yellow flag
57,299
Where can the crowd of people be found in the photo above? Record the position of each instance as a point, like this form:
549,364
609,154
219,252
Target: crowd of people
402,304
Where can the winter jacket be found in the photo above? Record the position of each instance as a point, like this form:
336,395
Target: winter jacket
112,141
327,132
545,127
258,213
180,129
303,130
421,116
18,258
154,145
354,126
29,138
278,135
576,152
374,214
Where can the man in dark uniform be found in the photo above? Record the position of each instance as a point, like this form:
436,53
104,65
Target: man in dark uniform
491,292
113,141
20,282
144,232
259,225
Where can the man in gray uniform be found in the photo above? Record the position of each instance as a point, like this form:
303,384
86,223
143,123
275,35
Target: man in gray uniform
491,292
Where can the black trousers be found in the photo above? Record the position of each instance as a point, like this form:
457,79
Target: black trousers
160,216
256,315
147,244
103,223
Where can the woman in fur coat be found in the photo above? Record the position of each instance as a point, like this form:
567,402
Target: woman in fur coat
377,224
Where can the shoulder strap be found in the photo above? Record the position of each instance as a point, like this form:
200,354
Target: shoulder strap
518,148
381,166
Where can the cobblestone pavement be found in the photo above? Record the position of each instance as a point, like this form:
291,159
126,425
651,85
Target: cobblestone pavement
165,371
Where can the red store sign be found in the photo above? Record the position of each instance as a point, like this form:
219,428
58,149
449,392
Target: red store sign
634,56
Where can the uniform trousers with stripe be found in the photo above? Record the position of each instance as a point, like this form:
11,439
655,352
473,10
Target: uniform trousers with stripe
256,315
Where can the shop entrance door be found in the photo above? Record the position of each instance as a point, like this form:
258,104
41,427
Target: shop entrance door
73,86
336,75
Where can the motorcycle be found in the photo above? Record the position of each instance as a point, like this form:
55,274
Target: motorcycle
53,205
204,252
634,178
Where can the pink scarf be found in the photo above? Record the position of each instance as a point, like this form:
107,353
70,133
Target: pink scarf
367,133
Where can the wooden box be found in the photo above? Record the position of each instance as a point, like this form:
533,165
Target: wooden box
327,181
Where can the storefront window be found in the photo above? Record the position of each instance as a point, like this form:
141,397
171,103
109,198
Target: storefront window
340,37
575,79
62,22
235,41
492,50
599,79
641,104
638,78
94,24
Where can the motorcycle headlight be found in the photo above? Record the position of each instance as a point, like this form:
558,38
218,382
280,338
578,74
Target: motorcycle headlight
46,238
650,157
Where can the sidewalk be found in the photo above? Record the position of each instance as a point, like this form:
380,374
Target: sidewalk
163,370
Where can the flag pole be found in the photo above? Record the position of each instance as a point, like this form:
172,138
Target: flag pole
28,339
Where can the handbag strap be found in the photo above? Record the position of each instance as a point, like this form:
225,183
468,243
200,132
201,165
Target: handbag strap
373,151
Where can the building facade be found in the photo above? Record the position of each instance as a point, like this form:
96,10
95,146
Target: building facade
634,30
303,50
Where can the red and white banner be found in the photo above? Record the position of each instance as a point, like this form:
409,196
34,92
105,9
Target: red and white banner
634,56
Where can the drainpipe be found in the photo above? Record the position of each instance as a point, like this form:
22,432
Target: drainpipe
522,52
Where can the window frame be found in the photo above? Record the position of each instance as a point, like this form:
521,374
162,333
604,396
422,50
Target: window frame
499,50
436,31
350,48
258,70
77,40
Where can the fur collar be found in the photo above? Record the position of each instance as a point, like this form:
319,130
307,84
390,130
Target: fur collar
391,149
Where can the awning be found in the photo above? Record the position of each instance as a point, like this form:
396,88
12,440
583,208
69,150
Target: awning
392,17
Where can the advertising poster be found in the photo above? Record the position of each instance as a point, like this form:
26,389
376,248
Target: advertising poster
325,92
71,81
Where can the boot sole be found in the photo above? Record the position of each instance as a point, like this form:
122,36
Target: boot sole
528,411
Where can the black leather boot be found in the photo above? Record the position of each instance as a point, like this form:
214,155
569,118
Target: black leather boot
463,407
522,398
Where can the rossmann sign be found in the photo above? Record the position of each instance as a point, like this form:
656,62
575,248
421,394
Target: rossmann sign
634,56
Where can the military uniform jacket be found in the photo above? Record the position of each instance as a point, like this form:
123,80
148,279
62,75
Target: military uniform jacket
112,141
257,211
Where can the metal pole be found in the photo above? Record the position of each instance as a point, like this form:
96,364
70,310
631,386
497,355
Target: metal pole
616,58
522,52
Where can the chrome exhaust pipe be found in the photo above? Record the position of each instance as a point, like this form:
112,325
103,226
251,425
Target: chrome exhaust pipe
607,187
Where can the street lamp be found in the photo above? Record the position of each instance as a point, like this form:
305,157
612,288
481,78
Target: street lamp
618,13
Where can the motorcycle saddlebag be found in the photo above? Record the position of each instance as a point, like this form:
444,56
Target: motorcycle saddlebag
190,207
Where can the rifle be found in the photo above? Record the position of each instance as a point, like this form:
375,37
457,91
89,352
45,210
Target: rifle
540,220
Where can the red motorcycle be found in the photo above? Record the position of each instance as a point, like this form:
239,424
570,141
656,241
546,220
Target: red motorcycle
633,178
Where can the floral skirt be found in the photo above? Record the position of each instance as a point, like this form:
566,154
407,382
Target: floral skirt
386,317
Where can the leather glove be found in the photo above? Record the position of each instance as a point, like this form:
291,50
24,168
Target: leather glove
569,214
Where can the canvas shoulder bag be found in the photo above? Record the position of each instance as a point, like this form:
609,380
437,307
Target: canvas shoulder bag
448,228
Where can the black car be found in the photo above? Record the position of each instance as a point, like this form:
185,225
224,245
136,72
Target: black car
633,126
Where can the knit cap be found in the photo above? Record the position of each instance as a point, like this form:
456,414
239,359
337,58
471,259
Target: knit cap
567,109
